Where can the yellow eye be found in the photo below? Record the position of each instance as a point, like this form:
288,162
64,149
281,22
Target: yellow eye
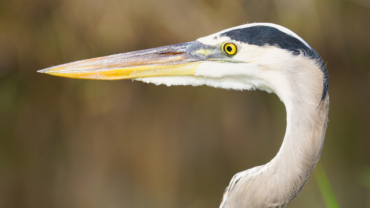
230,48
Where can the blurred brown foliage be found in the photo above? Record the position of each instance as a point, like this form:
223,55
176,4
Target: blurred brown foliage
78,143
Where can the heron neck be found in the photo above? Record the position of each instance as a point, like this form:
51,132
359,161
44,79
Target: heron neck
302,145
300,87
280,180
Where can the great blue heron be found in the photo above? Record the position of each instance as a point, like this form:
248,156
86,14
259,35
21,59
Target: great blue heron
253,56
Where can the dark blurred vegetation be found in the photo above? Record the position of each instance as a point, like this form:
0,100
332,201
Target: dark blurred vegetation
78,143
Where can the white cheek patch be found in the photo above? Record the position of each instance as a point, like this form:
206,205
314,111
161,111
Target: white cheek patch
239,76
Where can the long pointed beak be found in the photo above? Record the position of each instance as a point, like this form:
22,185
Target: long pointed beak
179,59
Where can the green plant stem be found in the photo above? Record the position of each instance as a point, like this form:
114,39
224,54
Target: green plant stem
324,186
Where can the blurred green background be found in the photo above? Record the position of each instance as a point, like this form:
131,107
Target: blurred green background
78,143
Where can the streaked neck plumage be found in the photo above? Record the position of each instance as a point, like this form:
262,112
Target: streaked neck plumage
279,181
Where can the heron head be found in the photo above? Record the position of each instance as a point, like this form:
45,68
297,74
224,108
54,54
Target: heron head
260,55
245,57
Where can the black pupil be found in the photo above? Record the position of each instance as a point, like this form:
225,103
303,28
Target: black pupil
228,48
